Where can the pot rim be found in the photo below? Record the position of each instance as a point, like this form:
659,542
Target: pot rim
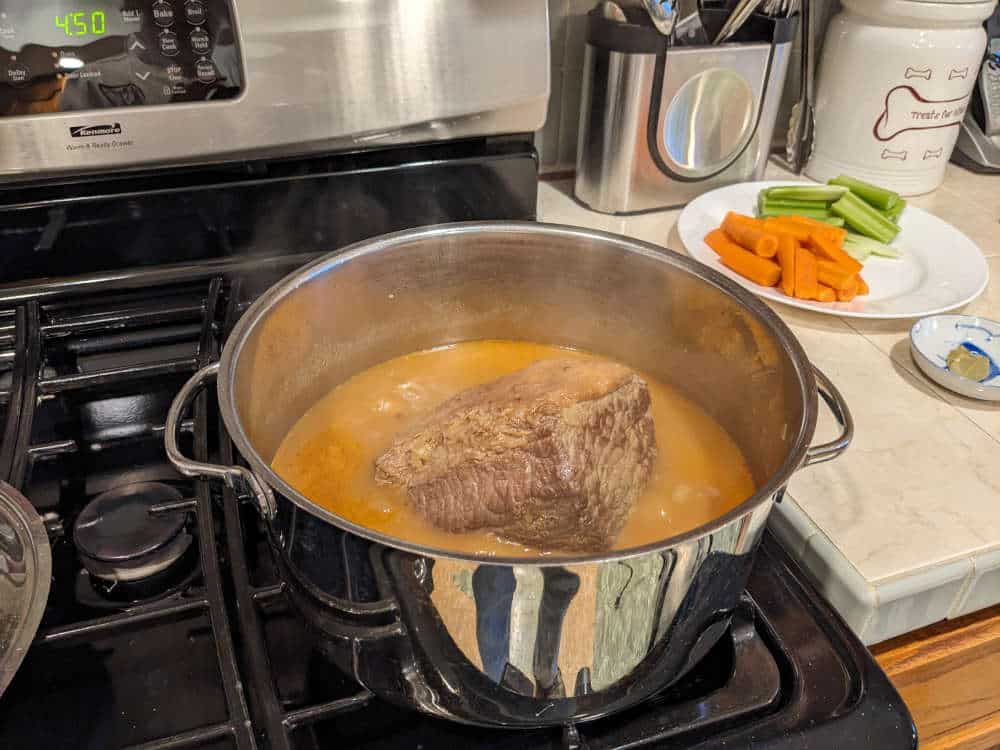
290,283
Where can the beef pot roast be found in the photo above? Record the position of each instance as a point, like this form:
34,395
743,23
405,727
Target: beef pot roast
553,455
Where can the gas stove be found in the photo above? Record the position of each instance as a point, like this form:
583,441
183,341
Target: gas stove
166,624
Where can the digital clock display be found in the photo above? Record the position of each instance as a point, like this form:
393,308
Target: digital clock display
82,23
65,24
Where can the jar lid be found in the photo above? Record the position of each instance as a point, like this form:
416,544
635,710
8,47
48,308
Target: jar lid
939,12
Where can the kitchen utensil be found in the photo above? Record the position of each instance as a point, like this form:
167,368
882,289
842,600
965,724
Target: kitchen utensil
736,19
25,572
893,90
933,338
780,8
689,29
393,612
659,127
662,14
941,268
612,11
801,122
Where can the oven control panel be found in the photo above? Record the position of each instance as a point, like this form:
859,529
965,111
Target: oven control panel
76,55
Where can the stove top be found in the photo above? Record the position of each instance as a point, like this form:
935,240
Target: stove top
166,625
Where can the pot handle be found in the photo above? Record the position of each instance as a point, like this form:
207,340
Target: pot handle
817,454
242,481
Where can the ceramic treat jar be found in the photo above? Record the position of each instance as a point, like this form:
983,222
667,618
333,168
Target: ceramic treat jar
894,84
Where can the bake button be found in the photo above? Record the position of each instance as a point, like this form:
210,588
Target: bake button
163,13
200,42
169,44
205,71
194,12
17,74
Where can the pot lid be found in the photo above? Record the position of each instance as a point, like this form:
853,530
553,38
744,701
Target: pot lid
25,573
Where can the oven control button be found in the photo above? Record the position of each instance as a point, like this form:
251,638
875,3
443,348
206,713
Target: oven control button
134,44
163,13
200,42
169,44
205,70
195,12
16,74
175,73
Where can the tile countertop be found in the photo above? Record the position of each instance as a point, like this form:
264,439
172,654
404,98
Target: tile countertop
904,529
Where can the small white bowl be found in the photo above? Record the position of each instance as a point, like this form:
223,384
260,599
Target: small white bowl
931,339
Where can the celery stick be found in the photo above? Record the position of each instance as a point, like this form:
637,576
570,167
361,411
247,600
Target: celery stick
872,194
825,193
808,205
825,216
860,254
864,219
833,221
811,213
894,213
856,243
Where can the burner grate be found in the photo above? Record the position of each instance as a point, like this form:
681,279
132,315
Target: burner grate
87,394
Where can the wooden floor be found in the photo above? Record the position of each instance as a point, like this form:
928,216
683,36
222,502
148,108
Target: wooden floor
949,676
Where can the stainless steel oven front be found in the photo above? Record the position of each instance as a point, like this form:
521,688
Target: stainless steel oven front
93,85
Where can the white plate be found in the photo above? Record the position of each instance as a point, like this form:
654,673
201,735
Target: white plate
932,339
941,268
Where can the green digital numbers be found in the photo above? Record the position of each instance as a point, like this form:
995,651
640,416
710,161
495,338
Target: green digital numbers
81,23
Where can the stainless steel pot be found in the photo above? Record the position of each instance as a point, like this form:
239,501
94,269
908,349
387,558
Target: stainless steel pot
512,642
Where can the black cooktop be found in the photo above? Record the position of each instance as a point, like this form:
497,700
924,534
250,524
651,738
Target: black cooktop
188,641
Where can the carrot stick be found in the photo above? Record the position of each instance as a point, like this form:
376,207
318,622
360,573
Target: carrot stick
719,241
787,247
775,226
825,294
835,276
750,234
850,291
838,234
862,286
746,264
828,250
758,270
805,274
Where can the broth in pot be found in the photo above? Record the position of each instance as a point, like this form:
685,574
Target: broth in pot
329,454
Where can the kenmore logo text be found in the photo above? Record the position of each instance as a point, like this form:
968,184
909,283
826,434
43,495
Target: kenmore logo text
86,131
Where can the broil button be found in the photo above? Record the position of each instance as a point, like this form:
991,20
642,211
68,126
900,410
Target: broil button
205,71
200,42
195,12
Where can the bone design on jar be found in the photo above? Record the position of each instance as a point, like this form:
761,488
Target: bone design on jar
924,73
907,110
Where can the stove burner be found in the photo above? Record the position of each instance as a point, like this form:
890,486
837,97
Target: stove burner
130,552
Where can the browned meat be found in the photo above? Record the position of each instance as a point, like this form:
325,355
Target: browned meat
553,455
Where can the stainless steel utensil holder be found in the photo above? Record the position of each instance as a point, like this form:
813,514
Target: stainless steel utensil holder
659,126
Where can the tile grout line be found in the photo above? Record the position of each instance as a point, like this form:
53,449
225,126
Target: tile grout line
919,377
